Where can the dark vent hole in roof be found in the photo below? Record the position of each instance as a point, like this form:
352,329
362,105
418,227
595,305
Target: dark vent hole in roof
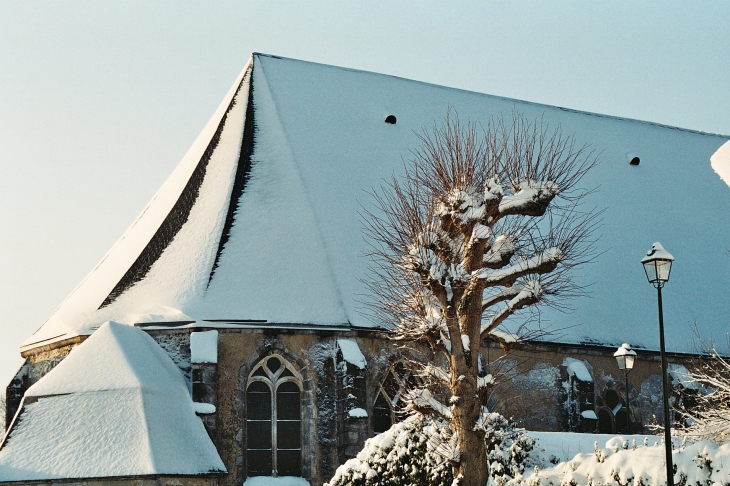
634,161
390,119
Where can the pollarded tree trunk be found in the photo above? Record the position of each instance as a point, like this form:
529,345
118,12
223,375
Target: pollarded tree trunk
469,237
471,468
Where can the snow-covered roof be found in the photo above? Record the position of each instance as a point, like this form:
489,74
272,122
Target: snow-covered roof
351,352
116,406
204,347
260,222
577,368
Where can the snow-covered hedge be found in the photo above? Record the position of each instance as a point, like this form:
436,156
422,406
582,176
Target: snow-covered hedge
508,449
409,454
402,455
623,464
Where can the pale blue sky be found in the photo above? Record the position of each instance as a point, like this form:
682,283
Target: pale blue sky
100,100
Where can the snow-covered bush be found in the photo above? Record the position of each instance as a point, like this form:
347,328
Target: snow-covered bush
412,453
403,455
508,448
618,464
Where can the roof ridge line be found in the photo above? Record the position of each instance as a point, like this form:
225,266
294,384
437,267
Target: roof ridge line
505,98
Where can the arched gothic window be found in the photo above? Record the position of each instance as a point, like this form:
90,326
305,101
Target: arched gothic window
612,416
273,419
397,381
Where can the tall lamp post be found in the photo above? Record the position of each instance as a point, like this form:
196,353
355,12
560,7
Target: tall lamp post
657,265
625,357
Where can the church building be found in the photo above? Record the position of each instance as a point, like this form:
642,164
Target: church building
224,335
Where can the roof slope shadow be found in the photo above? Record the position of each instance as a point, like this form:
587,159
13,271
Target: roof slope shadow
116,406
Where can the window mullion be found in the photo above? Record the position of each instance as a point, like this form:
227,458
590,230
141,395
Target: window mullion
274,446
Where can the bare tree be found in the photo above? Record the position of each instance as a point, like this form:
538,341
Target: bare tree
483,224
707,415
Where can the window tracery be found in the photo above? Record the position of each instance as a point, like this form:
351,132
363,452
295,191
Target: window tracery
397,381
273,419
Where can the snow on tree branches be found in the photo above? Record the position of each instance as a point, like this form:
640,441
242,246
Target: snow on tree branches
480,227
708,416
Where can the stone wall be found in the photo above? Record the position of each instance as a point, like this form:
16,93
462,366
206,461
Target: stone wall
331,388
532,385
37,365
43,362
14,392
534,388
205,390
238,352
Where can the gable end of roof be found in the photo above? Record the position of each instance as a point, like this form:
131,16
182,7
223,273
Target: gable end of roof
175,219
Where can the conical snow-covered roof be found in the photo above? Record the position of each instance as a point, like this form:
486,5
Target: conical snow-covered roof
116,406
260,221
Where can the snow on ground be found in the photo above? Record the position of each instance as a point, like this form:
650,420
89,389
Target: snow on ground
351,352
204,347
555,447
116,406
281,481
625,460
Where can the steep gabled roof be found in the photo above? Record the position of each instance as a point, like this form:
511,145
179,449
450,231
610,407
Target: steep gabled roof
260,219
116,406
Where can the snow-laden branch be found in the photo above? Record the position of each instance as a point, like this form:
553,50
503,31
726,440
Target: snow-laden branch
465,207
504,294
504,337
480,232
531,198
423,399
499,254
425,262
530,292
493,192
446,342
431,371
544,262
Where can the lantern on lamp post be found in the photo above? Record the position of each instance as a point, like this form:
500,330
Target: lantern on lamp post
657,265
625,357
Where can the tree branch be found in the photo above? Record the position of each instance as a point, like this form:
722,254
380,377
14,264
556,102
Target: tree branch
530,293
423,400
545,262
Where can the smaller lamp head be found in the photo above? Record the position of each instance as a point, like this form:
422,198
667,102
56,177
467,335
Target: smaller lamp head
625,357
657,264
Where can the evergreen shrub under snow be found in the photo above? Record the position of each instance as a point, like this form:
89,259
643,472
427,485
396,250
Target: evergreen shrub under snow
620,464
412,453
